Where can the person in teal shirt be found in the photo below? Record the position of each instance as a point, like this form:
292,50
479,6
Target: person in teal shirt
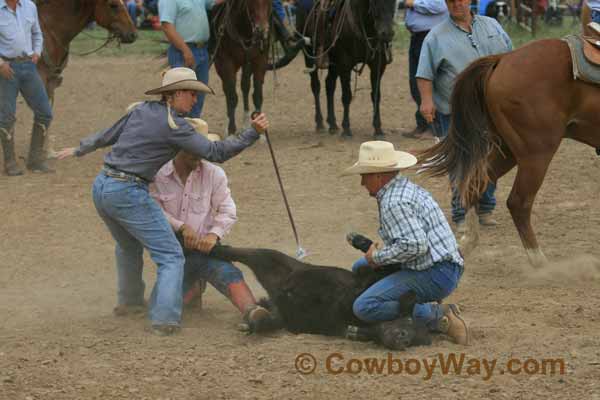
186,26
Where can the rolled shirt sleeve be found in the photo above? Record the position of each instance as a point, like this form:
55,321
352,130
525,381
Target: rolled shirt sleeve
223,204
428,64
429,7
167,11
37,38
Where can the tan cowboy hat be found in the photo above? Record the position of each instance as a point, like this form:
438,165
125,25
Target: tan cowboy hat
180,78
201,127
379,156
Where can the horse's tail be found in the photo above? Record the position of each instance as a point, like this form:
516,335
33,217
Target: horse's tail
463,154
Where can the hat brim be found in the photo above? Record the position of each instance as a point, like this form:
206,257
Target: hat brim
188,84
403,160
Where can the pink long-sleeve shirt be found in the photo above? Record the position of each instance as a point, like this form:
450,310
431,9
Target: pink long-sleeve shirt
203,202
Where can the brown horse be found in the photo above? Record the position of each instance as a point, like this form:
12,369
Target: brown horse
515,109
241,38
62,20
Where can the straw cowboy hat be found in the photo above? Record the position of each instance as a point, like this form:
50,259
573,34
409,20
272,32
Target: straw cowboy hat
180,78
201,127
379,156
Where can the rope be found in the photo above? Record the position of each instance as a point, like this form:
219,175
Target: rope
285,200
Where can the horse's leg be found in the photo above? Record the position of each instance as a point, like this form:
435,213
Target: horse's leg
530,175
315,86
330,84
259,69
377,69
346,100
245,84
227,72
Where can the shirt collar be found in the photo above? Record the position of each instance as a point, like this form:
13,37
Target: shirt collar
397,179
169,168
459,27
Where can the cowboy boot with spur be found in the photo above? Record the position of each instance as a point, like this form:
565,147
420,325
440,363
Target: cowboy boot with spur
37,160
8,146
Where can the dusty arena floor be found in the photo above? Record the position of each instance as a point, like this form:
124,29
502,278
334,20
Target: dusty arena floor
59,340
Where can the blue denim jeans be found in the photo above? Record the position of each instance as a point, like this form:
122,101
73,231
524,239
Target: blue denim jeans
27,81
487,201
595,16
380,301
136,222
278,10
175,58
132,10
219,273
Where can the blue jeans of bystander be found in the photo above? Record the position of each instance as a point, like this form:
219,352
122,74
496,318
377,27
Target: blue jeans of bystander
136,222
175,58
27,81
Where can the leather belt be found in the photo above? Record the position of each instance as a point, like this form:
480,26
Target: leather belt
17,59
198,45
123,176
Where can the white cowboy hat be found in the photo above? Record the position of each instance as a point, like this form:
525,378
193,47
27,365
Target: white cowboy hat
180,78
379,156
201,127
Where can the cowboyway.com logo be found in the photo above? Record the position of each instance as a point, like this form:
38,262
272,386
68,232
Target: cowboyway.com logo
444,364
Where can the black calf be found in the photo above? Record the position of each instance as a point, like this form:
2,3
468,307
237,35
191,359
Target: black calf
306,298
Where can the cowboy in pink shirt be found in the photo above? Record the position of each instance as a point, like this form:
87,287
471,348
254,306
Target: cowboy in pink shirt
196,200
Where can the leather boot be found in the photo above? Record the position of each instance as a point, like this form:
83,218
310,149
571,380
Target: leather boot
8,146
37,160
453,325
241,296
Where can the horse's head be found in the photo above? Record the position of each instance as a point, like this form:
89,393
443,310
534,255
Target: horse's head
113,16
382,12
260,16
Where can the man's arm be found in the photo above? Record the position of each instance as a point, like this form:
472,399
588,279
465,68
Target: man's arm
400,221
176,40
222,202
427,108
37,39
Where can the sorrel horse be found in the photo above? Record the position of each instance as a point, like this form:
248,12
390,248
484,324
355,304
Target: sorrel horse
361,33
509,110
62,20
241,38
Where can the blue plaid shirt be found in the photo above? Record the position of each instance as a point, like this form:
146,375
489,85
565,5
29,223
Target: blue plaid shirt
413,228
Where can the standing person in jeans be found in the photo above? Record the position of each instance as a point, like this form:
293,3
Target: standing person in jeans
142,141
447,50
21,44
421,16
185,24
419,248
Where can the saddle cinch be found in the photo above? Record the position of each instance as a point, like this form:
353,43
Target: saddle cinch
585,54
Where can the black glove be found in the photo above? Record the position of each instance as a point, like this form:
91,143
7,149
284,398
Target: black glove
359,242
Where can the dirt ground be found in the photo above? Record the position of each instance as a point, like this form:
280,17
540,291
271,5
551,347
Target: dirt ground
59,340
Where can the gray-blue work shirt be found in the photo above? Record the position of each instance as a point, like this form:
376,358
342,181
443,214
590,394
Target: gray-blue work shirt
448,50
142,141
425,14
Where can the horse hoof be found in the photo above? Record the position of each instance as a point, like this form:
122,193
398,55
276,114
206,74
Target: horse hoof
333,130
379,135
320,128
347,134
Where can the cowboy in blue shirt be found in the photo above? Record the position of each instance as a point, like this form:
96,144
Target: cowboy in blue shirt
20,49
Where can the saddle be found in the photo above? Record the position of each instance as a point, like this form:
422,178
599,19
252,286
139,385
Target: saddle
585,56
